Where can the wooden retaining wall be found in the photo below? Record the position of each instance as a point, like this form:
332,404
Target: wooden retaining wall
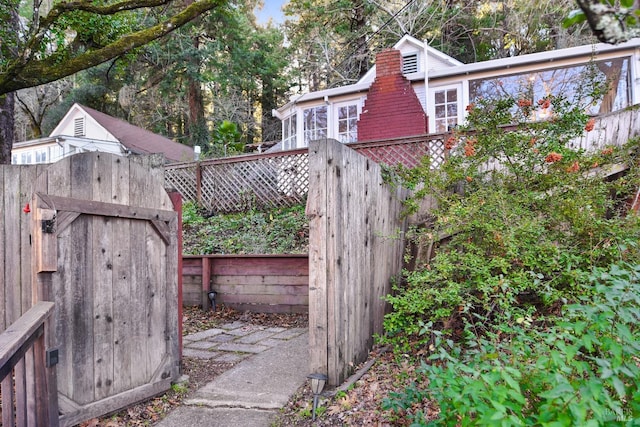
356,247
258,283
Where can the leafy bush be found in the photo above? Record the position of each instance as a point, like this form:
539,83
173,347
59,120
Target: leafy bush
279,231
578,370
520,238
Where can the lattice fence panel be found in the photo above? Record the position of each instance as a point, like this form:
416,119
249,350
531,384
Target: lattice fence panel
183,179
282,179
270,182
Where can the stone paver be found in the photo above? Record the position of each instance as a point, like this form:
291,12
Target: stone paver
276,329
240,332
199,354
254,337
204,334
233,325
242,348
222,338
201,345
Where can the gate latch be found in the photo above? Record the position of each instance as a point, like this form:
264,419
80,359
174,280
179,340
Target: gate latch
49,225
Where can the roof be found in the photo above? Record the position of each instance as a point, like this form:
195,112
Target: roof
138,140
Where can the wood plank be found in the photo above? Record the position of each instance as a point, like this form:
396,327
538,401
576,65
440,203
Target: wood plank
116,402
260,280
263,299
92,207
80,283
205,285
12,216
4,255
8,410
243,289
21,334
316,212
102,259
260,266
123,309
270,308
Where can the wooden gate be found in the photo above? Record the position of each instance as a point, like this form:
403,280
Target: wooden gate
105,251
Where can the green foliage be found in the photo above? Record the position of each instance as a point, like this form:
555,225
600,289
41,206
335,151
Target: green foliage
279,231
579,369
520,238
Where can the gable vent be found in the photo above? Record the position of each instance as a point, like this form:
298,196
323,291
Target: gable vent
78,126
410,63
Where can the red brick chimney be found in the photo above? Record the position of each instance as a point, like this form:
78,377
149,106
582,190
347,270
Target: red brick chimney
392,108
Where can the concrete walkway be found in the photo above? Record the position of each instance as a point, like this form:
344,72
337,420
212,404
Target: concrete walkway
273,364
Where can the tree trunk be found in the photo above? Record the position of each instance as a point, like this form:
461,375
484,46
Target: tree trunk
7,132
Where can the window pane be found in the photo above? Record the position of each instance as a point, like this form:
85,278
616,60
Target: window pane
452,110
439,97
440,111
452,95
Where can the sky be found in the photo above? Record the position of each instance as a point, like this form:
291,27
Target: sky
272,9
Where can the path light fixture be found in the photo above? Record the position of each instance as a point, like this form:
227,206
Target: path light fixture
317,384
212,299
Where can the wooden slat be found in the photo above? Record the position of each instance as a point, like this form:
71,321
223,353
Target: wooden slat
263,299
264,281
92,207
317,213
259,289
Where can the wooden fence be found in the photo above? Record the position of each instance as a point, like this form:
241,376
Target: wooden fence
27,374
97,235
356,247
258,283
281,179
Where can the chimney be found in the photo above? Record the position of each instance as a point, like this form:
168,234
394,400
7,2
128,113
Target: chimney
392,108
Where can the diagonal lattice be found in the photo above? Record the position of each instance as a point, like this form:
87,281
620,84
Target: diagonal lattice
281,179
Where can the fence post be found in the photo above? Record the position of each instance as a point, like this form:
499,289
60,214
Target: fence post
199,183
206,282
176,199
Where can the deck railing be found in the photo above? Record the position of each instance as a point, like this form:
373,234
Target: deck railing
29,389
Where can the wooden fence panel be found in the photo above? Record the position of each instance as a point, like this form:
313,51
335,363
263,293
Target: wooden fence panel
258,283
108,259
356,248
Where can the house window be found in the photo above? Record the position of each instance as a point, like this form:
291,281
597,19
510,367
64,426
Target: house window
25,158
445,109
567,81
78,127
41,156
14,159
289,130
315,123
347,123
410,63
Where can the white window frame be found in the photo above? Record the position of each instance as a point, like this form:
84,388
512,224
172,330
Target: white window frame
312,134
290,139
336,118
432,105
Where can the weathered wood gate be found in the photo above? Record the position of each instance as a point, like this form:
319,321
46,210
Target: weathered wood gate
105,251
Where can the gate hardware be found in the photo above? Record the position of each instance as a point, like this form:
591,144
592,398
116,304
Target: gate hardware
49,225
52,358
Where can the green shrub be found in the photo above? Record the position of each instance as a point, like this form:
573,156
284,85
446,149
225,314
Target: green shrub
578,370
520,239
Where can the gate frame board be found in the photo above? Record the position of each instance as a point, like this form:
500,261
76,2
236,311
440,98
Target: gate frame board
111,199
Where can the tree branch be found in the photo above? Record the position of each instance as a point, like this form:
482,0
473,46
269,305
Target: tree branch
21,75
606,23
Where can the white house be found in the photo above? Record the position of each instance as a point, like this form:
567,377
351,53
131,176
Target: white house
414,89
85,129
